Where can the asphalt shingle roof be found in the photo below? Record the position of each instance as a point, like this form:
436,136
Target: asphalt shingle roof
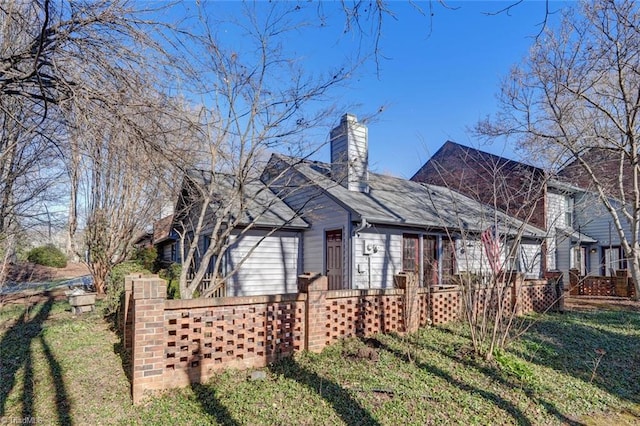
261,207
396,201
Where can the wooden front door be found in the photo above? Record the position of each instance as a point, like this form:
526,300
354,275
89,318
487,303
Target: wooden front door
334,259
430,261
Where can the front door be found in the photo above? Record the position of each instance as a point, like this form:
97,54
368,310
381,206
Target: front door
334,259
430,261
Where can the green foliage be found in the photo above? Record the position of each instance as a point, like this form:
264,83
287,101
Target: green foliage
115,284
515,367
172,276
146,256
47,255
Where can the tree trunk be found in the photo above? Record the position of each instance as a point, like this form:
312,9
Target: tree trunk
100,271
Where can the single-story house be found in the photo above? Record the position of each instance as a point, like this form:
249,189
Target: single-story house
366,227
357,227
262,235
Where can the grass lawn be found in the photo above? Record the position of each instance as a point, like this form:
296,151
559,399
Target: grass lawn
56,368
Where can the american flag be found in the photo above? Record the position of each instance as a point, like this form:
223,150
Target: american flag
491,242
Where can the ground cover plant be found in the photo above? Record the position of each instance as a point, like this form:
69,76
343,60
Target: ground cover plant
576,368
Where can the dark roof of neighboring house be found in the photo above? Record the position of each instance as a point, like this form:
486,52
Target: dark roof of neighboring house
464,155
513,187
396,201
162,229
261,207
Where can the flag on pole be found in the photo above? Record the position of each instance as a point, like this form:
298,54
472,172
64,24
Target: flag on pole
491,242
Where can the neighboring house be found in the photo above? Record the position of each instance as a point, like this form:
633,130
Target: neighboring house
165,240
523,191
264,235
569,241
364,227
511,186
145,240
606,255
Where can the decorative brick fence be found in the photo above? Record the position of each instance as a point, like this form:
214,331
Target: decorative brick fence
174,343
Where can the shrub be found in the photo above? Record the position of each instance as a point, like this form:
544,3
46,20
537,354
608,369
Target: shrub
146,256
115,284
48,255
172,276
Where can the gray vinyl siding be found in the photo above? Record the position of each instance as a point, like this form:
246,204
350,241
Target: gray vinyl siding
594,220
322,214
594,265
556,209
563,256
272,267
376,270
470,256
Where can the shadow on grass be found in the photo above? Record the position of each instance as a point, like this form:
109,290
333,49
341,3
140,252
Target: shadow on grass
518,415
343,403
15,353
495,375
206,395
211,404
568,344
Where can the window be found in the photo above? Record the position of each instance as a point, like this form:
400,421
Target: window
568,212
410,248
613,260
434,261
430,260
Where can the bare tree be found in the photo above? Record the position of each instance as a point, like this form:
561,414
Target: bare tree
257,99
500,246
576,98
87,77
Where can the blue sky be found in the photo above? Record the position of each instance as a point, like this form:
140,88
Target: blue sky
436,86
437,76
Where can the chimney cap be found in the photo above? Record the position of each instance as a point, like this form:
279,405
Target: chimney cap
349,117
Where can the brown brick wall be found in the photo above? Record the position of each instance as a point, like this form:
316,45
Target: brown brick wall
244,332
148,336
620,286
537,296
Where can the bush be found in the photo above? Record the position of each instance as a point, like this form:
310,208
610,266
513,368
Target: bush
172,275
48,255
146,256
115,284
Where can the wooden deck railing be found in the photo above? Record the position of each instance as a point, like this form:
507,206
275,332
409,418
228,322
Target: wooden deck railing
220,289
592,285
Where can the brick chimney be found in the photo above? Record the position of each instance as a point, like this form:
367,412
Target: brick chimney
350,155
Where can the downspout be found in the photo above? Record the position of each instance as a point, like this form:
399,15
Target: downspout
364,224
352,253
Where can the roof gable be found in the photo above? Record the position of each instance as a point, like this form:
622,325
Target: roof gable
254,204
